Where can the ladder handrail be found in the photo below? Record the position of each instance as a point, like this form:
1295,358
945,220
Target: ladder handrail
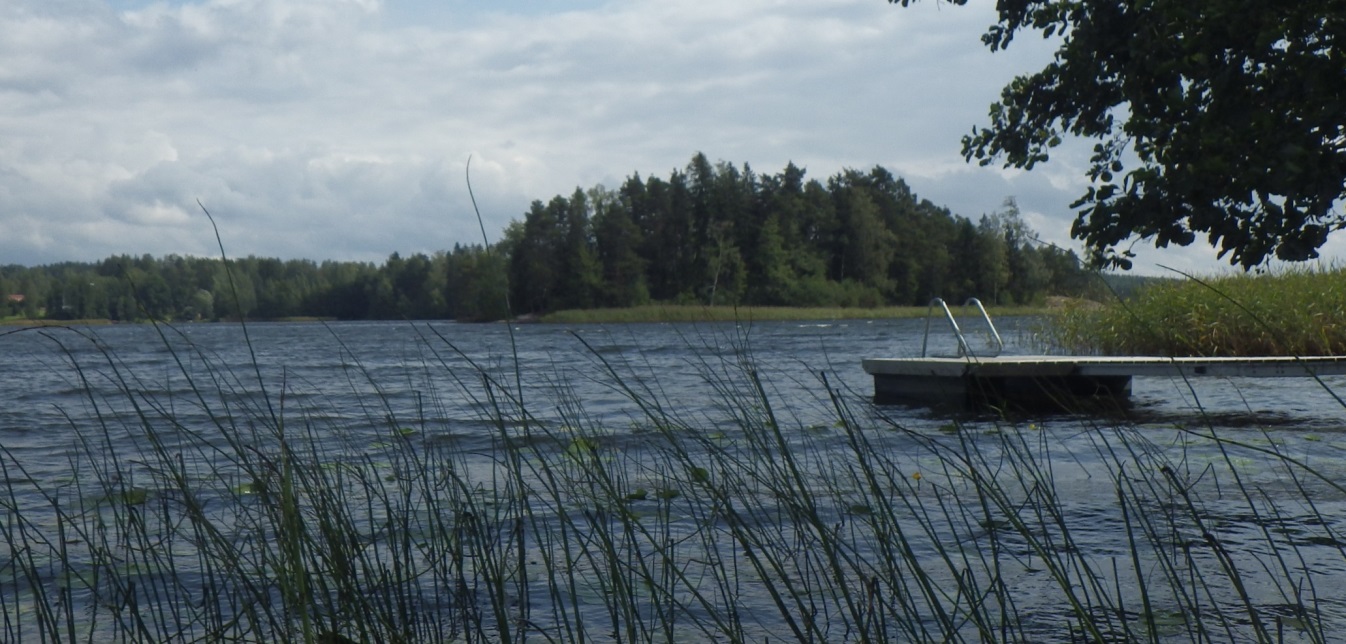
962,342
999,344
964,349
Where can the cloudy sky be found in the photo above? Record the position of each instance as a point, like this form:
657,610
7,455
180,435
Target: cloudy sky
341,129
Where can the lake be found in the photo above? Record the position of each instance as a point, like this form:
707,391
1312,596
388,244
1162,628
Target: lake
707,481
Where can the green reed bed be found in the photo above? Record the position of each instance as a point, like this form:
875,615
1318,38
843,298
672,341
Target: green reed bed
1289,313
234,507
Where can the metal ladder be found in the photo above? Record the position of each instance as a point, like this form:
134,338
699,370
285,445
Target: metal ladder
964,349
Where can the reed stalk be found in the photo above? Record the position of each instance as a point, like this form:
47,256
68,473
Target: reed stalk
213,506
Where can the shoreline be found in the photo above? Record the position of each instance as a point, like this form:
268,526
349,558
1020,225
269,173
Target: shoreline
659,313
651,314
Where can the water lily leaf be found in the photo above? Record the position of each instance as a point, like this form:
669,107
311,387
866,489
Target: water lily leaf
135,496
639,495
580,448
128,496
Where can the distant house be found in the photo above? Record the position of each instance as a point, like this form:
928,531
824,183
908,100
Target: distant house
12,304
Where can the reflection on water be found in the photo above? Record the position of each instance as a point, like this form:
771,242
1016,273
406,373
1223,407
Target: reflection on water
1216,475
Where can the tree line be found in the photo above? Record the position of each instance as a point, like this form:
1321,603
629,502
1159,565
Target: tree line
467,283
711,233
720,234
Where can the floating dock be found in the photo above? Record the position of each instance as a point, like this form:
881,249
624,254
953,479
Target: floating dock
1061,382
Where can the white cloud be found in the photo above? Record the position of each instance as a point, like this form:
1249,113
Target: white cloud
341,128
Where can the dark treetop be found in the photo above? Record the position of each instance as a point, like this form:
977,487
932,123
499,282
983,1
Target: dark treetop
1221,117
713,233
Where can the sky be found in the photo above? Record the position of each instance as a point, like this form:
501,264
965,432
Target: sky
343,129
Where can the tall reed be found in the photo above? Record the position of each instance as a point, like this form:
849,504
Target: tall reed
221,507
1294,312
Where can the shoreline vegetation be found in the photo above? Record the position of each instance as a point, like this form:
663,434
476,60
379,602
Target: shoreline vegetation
1294,312
17,321
712,234
1298,312
666,313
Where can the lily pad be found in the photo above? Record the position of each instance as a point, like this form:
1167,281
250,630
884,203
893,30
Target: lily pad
581,447
639,495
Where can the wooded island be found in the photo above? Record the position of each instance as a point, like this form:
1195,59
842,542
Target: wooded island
711,233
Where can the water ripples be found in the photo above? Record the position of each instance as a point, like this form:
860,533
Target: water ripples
359,389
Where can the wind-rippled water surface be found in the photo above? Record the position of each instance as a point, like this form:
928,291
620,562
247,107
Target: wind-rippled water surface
1262,505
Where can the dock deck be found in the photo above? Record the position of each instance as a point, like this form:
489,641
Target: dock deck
1058,381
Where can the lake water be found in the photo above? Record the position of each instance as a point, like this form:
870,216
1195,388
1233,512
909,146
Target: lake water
1269,495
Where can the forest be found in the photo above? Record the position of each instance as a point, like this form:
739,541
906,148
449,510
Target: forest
711,233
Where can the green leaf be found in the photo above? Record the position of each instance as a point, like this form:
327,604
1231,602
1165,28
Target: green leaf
639,495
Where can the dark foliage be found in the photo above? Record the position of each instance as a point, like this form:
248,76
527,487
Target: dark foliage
1223,118
713,233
